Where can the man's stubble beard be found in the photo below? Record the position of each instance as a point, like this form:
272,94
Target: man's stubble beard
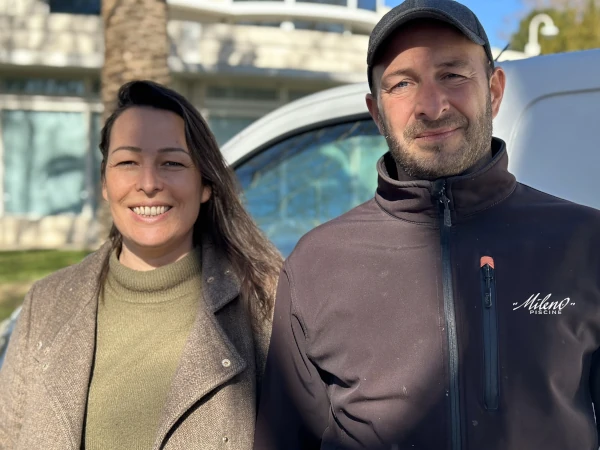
435,162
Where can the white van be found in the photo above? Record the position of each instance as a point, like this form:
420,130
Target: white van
314,159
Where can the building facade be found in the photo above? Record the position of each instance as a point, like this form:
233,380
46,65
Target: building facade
235,60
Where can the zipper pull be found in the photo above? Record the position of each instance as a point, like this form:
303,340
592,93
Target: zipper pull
447,217
445,201
487,264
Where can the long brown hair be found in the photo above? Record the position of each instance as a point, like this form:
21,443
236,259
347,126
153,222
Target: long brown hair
223,218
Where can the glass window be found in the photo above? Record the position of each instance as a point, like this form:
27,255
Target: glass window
96,86
371,5
255,23
311,178
43,86
96,158
44,162
224,128
326,2
75,6
319,26
241,93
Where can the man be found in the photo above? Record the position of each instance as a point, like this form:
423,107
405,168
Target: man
458,309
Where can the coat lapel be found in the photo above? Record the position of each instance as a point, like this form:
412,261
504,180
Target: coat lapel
68,358
209,358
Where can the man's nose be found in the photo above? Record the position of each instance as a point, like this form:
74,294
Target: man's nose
431,101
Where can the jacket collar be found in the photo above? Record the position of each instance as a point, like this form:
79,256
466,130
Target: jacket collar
209,357
219,283
419,200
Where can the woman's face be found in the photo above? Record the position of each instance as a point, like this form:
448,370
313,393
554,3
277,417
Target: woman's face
152,186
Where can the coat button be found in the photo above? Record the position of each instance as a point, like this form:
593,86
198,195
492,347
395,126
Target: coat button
45,367
227,272
226,363
210,279
225,439
39,345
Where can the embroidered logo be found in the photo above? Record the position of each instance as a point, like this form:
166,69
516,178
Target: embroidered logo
537,305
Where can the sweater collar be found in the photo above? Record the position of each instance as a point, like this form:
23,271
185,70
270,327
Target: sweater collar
219,282
166,283
419,200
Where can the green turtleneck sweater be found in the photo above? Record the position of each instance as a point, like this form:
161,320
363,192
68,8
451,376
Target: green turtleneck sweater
144,319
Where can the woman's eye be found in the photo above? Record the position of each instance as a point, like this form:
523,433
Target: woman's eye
125,163
173,164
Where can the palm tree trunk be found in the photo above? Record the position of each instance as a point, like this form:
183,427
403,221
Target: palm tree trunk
136,46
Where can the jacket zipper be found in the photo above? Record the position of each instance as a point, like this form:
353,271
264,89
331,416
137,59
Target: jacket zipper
490,334
449,312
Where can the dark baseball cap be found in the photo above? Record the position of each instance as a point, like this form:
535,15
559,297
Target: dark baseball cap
448,11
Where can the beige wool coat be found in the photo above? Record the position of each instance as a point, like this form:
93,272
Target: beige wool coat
45,378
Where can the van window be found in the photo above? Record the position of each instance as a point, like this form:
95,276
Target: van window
311,178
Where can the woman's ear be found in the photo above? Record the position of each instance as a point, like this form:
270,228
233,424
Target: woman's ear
206,193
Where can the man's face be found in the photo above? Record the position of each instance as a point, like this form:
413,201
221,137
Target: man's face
434,100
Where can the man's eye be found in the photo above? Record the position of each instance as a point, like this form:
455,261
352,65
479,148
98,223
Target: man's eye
454,76
402,84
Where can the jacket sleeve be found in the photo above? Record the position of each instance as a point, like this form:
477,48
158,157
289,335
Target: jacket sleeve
13,378
294,405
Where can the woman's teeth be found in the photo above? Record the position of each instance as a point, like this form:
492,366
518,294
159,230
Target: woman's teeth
150,210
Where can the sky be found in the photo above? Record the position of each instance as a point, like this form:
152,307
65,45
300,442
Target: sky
500,18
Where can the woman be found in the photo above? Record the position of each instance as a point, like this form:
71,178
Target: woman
158,339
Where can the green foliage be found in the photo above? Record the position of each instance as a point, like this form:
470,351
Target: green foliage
579,30
20,269
19,266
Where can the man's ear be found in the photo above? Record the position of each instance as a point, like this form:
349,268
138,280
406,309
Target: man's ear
374,110
497,85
